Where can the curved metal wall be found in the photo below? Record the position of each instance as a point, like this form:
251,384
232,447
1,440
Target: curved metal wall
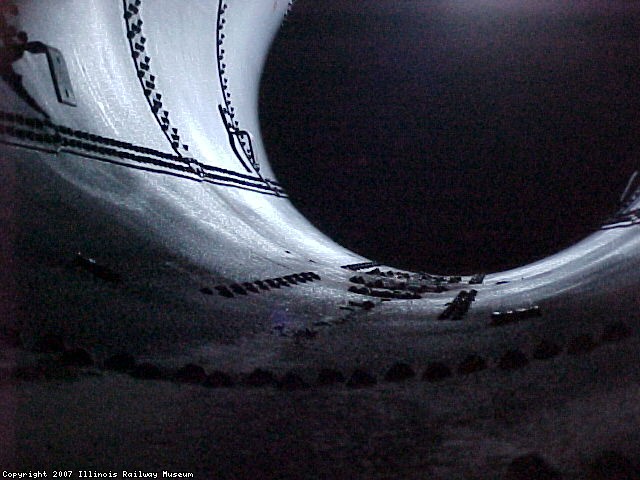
146,219
160,172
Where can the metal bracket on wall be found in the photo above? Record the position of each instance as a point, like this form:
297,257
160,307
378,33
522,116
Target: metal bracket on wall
58,69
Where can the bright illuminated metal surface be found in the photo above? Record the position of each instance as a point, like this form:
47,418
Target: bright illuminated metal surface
207,211
224,229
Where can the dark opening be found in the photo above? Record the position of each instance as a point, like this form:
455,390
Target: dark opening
453,139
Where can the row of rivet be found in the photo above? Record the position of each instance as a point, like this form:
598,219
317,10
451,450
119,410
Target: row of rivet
230,291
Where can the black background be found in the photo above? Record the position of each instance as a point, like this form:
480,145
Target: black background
454,136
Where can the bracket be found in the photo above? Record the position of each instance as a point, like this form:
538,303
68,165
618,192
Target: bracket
58,69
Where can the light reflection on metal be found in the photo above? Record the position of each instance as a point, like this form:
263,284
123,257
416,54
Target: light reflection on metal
252,230
625,197
239,139
623,220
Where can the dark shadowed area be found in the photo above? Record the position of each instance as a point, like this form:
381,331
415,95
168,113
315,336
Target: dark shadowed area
454,136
